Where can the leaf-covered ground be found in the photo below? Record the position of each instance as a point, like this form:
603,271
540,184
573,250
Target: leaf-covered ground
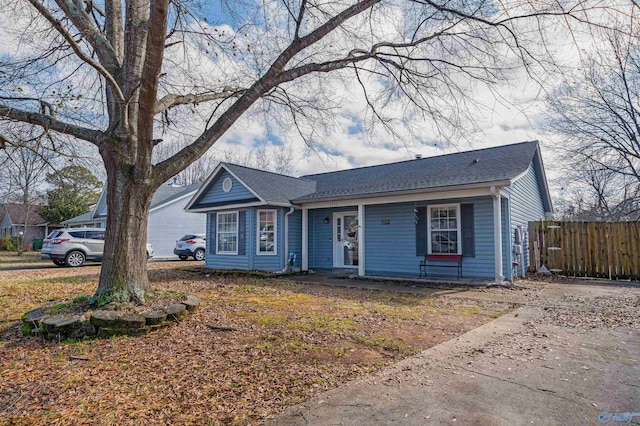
291,341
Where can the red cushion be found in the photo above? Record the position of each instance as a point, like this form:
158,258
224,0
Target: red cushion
449,257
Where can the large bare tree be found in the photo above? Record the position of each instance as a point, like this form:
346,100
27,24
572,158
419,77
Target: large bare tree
124,75
595,112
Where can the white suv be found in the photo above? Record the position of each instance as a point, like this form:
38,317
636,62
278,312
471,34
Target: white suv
191,245
73,246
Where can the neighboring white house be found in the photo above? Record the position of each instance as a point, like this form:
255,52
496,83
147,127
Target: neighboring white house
168,221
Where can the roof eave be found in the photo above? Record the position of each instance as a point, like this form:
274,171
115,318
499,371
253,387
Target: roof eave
174,200
497,183
95,209
229,206
232,206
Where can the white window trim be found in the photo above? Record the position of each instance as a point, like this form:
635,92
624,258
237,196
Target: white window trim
458,227
224,184
275,233
218,233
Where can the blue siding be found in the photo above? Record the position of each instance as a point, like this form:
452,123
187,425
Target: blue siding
227,261
483,264
295,237
250,260
392,248
526,205
215,193
321,237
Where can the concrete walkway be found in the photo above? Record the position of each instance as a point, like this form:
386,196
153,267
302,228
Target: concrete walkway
544,363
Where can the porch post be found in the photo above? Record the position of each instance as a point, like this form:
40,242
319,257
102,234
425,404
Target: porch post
497,233
361,240
305,239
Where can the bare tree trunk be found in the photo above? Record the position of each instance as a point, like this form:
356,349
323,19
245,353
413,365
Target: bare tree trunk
123,276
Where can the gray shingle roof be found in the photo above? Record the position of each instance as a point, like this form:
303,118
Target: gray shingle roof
166,193
464,168
84,217
272,187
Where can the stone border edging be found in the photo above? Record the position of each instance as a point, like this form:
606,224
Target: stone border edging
105,323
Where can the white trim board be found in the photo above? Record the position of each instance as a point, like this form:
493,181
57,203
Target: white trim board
448,194
458,226
275,233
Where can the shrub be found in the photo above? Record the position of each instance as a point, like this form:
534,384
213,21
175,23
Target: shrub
8,244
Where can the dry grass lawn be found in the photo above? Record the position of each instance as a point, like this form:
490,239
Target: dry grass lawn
291,341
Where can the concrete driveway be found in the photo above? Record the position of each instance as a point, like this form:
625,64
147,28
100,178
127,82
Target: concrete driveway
569,356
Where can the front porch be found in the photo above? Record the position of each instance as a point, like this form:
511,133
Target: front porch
393,237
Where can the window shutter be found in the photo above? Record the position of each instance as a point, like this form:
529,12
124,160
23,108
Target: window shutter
212,232
421,231
241,232
468,235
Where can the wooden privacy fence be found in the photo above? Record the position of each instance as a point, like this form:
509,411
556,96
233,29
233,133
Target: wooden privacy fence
593,249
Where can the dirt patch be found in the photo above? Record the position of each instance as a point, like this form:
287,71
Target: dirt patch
363,356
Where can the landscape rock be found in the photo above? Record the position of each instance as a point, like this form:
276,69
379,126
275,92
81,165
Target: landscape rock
103,318
158,326
33,315
103,322
31,322
176,312
132,321
61,327
155,317
192,302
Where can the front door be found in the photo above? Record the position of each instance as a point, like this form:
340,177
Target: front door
345,236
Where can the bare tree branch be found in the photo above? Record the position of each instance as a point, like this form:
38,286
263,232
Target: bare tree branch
48,122
77,49
82,21
172,100
169,167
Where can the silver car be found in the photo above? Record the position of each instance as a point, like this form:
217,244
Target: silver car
73,246
191,245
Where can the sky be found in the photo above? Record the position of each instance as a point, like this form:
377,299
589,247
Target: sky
349,146
510,117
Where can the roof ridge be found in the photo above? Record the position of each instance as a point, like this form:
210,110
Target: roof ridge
423,158
267,171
